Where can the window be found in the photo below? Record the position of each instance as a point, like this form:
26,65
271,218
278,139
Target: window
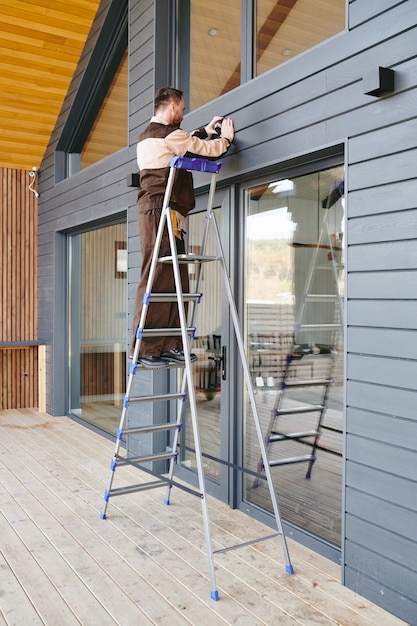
209,59
285,29
222,45
109,131
97,124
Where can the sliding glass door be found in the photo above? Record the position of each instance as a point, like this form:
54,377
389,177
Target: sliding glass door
284,223
97,325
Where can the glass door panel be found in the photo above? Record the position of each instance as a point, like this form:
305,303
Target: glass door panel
210,344
97,325
207,345
284,219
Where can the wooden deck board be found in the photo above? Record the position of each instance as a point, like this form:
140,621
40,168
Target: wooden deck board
146,564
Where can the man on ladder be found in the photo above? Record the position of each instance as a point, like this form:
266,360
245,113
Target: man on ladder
158,143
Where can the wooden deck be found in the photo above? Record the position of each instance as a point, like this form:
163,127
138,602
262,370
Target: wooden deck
146,564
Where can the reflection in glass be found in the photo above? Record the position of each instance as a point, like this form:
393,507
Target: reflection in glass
109,132
97,343
285,29
207,346
209,55
295,238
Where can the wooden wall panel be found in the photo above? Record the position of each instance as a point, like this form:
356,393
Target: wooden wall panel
18,290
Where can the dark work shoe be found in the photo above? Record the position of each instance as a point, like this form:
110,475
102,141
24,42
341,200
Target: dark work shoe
153,362
177,356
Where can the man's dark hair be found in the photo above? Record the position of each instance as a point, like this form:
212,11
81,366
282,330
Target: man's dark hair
164,95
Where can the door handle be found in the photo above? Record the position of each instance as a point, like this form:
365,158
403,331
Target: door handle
223,362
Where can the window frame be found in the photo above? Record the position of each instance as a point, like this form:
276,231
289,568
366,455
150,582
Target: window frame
102,66
181,44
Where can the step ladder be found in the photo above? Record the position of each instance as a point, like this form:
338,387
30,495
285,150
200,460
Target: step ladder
310,363
186,388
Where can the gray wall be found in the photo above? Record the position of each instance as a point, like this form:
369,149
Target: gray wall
380,553
311,106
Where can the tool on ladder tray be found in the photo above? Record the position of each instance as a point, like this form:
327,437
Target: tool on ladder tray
186,389
310,363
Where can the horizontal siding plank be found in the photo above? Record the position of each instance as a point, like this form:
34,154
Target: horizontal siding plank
362,11
388,429
387,169
399,285
383,141
385,457
383,595
398,520
372,585
394,489
381,542
389,255
382,371
368,397
383,199
383,227
382,342
299,138
388,314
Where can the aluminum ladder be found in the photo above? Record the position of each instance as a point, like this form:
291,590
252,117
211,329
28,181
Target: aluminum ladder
318,329
186,388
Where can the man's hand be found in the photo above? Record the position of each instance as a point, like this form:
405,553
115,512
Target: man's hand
227,129
210,127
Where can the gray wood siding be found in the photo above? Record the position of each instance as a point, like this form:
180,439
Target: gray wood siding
285,118
141,59
381,366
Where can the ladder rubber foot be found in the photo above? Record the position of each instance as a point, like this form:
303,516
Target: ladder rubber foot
289,569
167,502
214,595
103,516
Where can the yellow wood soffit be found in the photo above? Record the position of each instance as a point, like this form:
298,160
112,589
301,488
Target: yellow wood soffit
40,46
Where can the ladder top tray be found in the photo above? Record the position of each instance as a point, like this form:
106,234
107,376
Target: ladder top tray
199,165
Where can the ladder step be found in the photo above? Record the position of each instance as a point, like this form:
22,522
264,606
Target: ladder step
150,428
322,297
274,437
189,258
165,332
140,487
293,459
157,398
319,326
169,365
137,460
172,297
313,382
300,409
